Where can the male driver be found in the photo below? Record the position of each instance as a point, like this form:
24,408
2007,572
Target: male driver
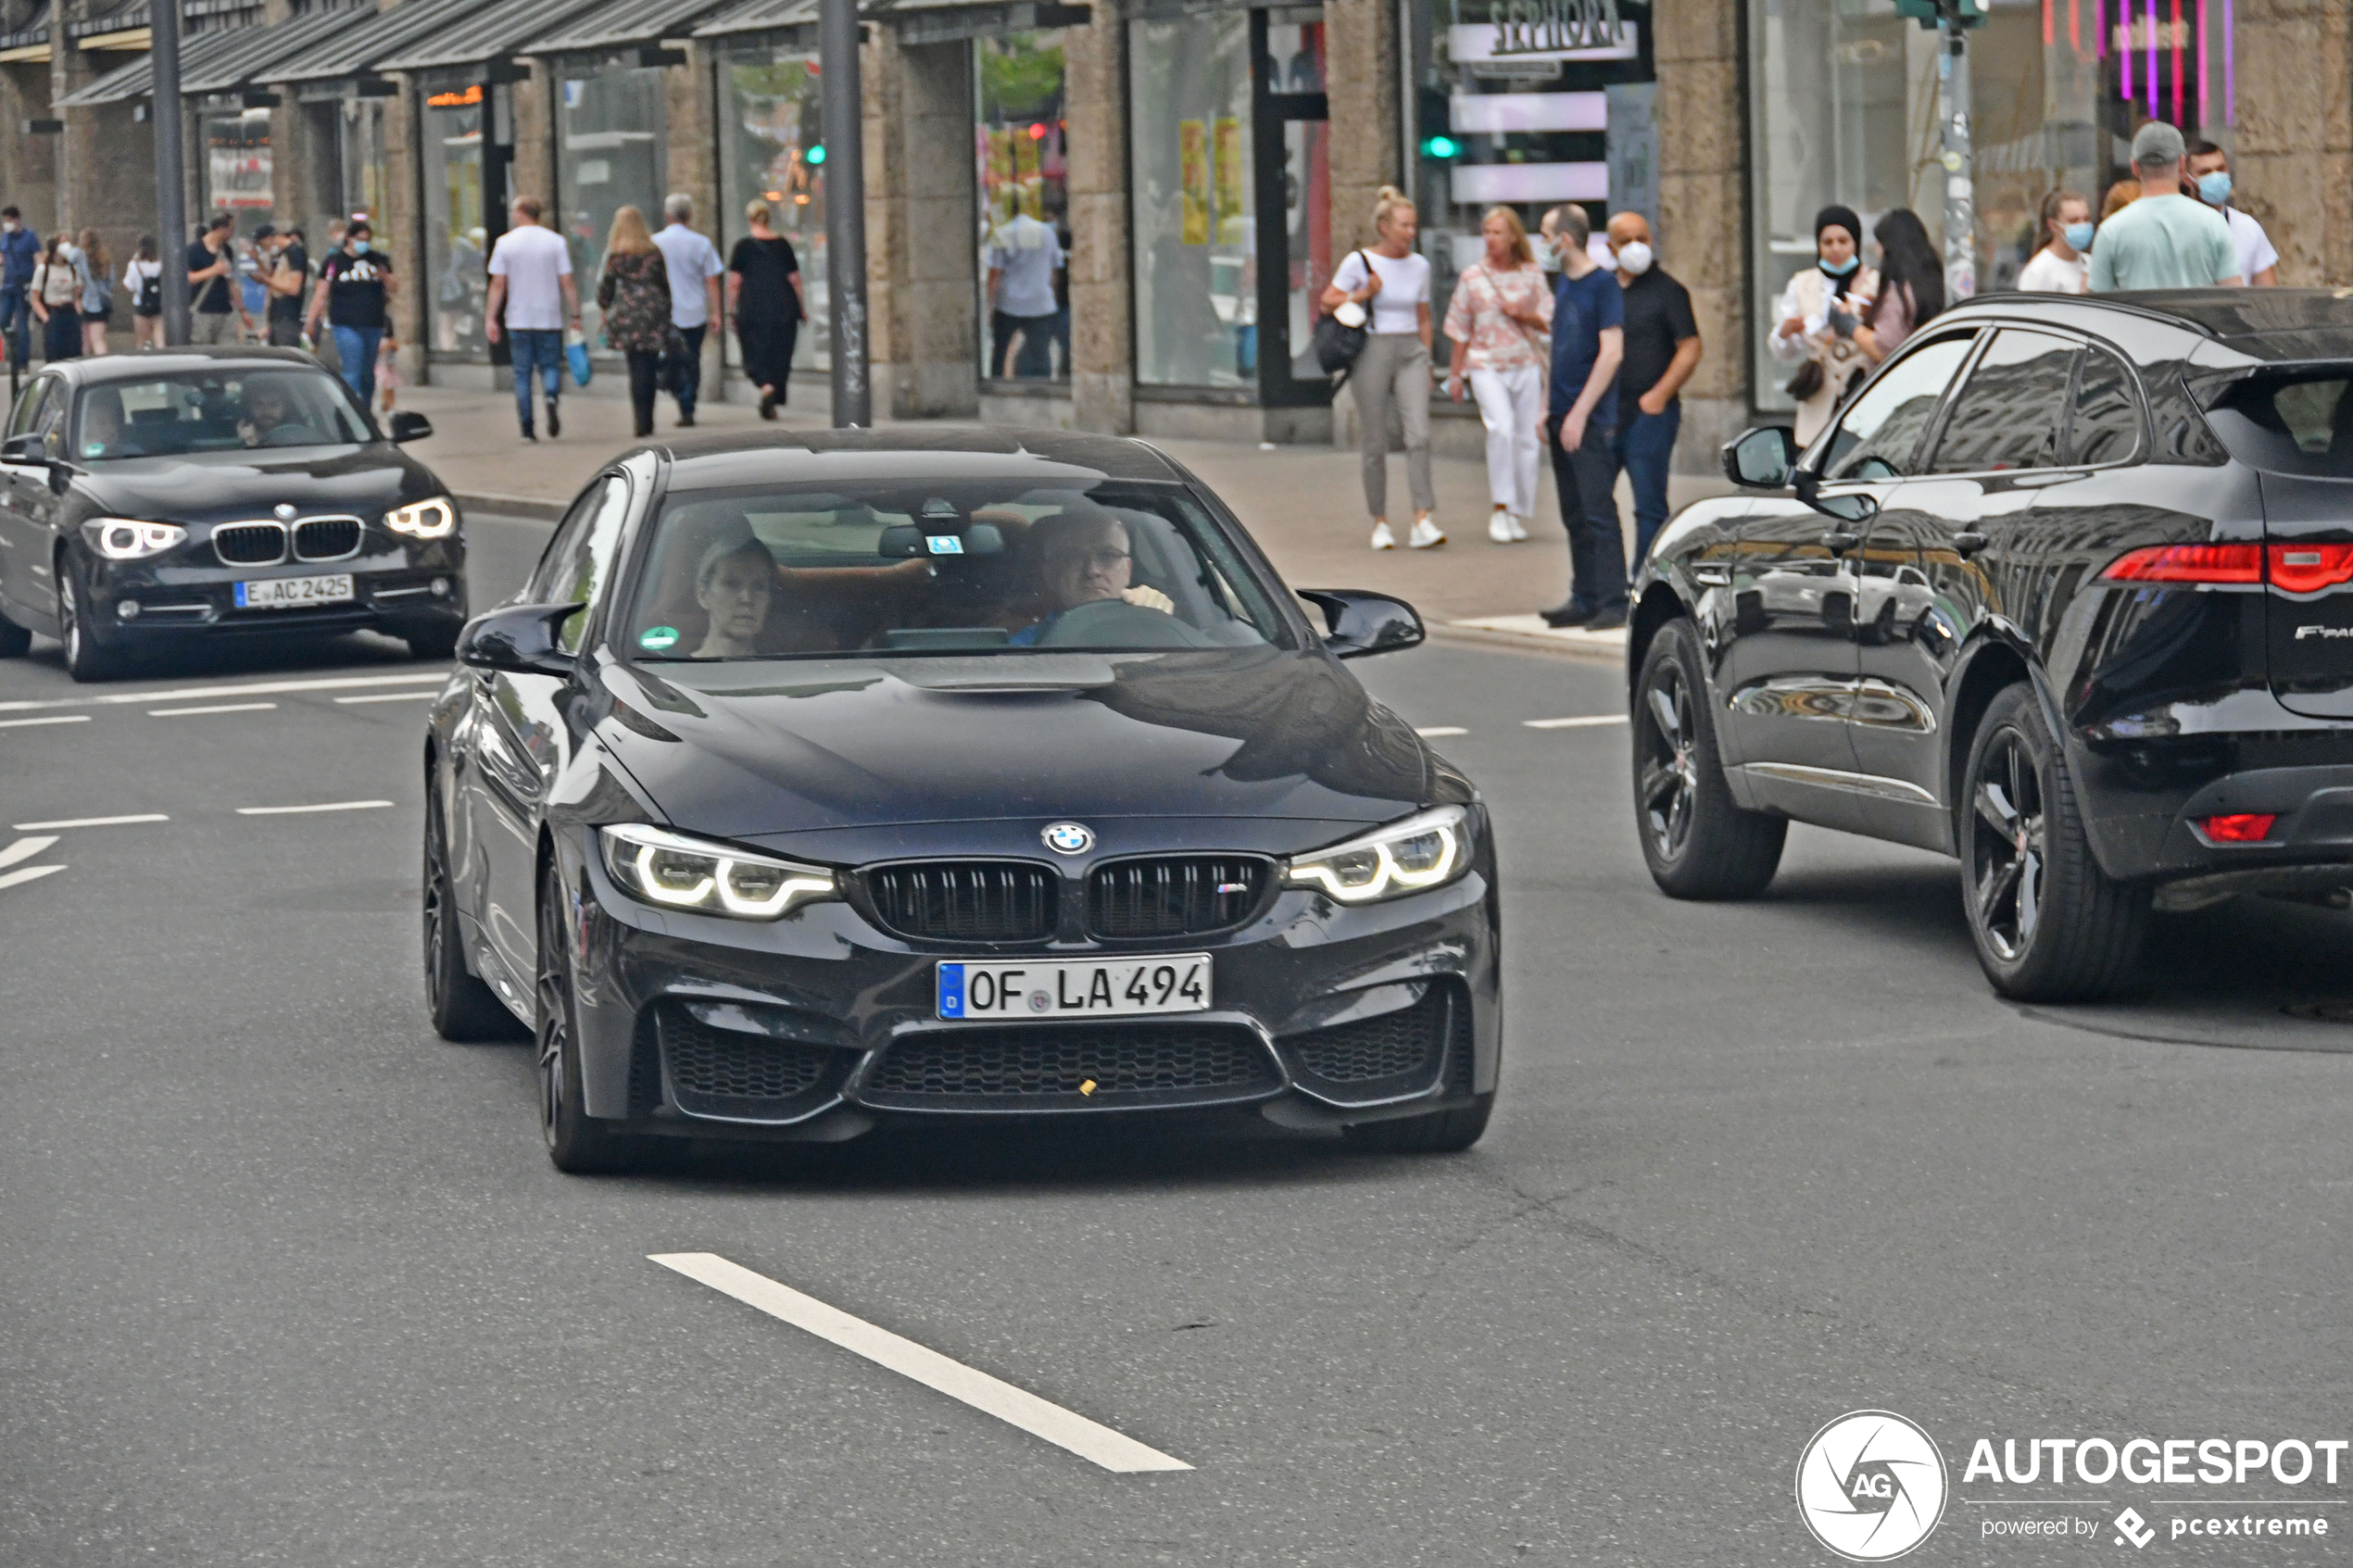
212,267
2210,170
1589,342
1083,558
2163,240
19,252
694,271
1662,349
531,277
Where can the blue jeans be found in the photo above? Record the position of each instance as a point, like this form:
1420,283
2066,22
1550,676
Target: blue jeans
356,347
543,348
15,322
687,368
1645,448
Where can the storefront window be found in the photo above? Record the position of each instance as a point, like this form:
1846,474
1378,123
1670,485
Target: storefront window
361,153
771,119
609,154
1025,198
453,281
237,162
1193,202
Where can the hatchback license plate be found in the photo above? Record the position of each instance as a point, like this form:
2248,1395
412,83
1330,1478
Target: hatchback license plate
1119,987
293,593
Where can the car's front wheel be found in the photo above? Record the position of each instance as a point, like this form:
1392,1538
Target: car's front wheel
576,1142
2050,926
1698,843
86,657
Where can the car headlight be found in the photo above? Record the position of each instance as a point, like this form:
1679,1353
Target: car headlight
123,538
678,872
435,519
1426,850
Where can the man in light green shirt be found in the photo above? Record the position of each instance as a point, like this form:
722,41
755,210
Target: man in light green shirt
2164,240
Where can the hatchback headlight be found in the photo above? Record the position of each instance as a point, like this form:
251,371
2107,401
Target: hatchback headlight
435,519
123,538
677,872
1426,850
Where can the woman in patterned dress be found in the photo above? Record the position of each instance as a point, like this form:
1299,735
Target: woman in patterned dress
1500,319
634,293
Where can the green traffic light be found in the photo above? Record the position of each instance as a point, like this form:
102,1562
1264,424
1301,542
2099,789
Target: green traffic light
1441,147
815,154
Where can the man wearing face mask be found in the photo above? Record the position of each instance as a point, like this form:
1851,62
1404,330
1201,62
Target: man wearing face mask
1662,350
19,251
2210,170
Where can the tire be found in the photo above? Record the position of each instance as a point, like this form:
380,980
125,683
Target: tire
462,1008
435,646
2049,925
14,639
86,657
1696,842
1439,1131
577,1143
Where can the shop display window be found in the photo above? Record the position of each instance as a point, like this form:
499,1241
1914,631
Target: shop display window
1193,201
610,153
1022,179
771,149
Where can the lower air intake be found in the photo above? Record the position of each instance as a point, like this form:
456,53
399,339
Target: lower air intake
730,1072
1393,1053
1073,1065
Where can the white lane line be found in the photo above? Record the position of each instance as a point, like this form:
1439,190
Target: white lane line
391,696
1585,722
217,708
54,718
26,873
1017,1407
24,850
1437,731
89,823
254,688
299,811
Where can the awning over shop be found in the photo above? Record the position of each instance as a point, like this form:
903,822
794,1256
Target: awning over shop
618,24
26,40
137,79
355,51
792,20
267,46
489,33
944,21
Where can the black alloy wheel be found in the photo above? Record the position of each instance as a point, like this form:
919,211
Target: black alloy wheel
85,659
1697,842
576,1142
462,1008
2050,926
435,646
14,639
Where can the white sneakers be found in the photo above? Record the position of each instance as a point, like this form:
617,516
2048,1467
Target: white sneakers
1503,528
1424,536
1519,534
1382,538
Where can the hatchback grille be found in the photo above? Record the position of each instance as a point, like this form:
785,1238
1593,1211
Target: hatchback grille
711,1065
1407,1043
250,544
1085,1064
965,900
326,538
1178,896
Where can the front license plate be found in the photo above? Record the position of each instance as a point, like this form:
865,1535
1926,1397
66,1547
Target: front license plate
1120,987
293,593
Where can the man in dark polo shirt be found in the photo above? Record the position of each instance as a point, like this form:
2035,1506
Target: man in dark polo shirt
1662,349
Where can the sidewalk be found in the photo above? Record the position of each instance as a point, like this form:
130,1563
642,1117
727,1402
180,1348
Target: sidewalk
1304,504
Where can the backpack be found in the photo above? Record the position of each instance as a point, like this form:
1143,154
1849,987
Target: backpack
150,302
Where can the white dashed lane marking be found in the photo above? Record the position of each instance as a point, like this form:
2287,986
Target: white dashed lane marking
89,823
1439,732
324,806
1087,1439
52,719
26,873
1584,723
254,688
391,697
24,850
217,708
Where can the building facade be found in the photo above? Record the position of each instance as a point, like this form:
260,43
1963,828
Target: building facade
1196,169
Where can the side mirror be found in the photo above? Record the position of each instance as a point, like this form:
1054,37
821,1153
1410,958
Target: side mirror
1762,459
22,449
518,640
1358,622
406,426
1854,506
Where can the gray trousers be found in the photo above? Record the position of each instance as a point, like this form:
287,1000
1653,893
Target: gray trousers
1393,374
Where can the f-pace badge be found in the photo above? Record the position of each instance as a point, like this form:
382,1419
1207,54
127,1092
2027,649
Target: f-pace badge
1068,838
284,513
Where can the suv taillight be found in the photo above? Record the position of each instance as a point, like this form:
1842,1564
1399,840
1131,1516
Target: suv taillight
2291,569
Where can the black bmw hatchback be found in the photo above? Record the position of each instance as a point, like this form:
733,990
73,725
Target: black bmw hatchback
2065,590
148,499
825,782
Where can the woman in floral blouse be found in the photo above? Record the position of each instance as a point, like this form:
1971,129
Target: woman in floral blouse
635,295
1500,319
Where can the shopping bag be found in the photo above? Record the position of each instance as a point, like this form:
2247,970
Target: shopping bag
576,354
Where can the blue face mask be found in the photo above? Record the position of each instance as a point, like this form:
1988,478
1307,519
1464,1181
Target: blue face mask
1841,268
2215,188
358,248
2079,236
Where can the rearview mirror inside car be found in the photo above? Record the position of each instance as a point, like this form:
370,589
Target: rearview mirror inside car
903,540
406,426
518,640
1358,622
1762,459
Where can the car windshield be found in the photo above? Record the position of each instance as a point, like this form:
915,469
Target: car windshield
995,567
221,410
2299,424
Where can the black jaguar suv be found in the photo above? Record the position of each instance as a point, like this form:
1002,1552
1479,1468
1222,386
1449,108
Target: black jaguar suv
2065,590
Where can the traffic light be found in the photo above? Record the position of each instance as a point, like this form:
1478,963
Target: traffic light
1441,146
815,155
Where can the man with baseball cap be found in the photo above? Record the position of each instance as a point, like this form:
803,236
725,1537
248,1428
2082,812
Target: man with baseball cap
2164,240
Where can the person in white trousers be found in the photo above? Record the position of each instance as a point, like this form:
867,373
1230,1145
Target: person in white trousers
1501,320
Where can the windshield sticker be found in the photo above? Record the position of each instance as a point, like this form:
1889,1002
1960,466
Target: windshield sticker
945,544
656,638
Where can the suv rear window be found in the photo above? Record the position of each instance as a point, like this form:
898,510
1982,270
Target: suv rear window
2301,424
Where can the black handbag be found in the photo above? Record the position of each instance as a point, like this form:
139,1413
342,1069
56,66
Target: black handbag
1336,345
1808,382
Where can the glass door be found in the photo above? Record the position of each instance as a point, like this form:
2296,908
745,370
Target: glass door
1291,260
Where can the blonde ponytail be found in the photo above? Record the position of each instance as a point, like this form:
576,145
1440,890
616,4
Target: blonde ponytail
1388,201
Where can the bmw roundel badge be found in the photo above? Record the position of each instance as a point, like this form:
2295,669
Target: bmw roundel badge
283,511
1068,838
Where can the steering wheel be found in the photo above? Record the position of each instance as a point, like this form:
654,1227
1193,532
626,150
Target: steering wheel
1118,625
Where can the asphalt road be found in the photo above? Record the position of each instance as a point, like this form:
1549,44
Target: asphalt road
286,1280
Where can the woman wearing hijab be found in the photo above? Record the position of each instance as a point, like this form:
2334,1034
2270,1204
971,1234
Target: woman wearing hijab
1819,314
1911,283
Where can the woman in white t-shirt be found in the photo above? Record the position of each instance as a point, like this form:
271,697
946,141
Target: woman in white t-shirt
2060,266
142,281
1393,369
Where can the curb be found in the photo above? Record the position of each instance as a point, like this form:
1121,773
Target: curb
530,507
1516,642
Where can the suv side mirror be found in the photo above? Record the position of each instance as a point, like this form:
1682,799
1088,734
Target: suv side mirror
407,426
22,449
1762,459
1359,622
518,640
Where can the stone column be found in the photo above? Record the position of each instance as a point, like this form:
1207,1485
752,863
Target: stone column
1367,140
2294,156
533,173
693,169
402,225
29,164
935,230
69,68
1702,238
1103,336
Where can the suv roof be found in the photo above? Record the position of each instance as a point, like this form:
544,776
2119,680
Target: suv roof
2262,323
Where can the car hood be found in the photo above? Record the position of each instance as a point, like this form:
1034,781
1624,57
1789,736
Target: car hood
824,749
223,487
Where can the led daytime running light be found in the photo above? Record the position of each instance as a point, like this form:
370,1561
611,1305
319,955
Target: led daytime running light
123,538
435,519
1390,877
721,874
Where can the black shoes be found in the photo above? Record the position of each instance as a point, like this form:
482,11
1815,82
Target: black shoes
555,420
527,435
1562,615
767,405
686,422
1607,620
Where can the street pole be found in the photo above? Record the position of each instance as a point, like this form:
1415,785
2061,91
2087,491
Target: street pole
1960,173
844,177
172,167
